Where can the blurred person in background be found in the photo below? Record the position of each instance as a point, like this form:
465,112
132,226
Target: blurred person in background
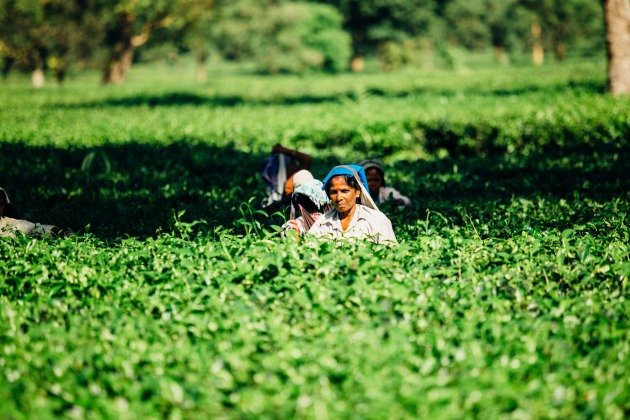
379,191
278,173
9,227
355,215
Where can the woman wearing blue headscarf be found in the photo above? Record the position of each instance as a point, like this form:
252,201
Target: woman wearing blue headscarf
355,214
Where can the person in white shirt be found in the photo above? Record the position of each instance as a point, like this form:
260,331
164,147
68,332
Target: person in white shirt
376,181
355,215
9,226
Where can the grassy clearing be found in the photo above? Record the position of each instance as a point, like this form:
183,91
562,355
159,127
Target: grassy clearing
507,296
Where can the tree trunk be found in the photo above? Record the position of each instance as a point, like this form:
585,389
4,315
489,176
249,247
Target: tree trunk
201,59
427,54
37,78
560,50
121,54
617,22
118,66
357,63
6,66
60,74
38,60
538,54
499,52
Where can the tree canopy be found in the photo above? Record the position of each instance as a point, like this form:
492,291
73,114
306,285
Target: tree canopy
292,36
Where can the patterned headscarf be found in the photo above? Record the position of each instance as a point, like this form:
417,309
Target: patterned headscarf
300,177
313,189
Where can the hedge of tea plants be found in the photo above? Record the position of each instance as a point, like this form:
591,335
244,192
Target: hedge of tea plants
177,297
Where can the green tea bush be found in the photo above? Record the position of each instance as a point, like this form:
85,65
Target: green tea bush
506,297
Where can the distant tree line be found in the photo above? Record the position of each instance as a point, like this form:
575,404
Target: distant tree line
53,36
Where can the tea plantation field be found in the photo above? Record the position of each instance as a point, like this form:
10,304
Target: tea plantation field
506,297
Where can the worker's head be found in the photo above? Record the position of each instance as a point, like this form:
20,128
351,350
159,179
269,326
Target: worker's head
350,185
375,175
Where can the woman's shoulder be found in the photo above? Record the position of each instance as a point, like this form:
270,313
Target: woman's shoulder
369,210
388,190
371,213
379,223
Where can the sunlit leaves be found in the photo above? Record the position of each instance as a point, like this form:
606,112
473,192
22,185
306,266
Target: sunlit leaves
507,295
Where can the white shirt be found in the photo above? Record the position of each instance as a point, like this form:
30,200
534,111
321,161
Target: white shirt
389,193
9,227
366,223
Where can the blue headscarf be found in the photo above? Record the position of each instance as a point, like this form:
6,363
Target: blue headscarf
342,170
366,199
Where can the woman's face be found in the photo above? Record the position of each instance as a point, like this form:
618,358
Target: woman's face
374,179
343,196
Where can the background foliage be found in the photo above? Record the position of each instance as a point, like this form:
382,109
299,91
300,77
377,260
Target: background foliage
292,36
